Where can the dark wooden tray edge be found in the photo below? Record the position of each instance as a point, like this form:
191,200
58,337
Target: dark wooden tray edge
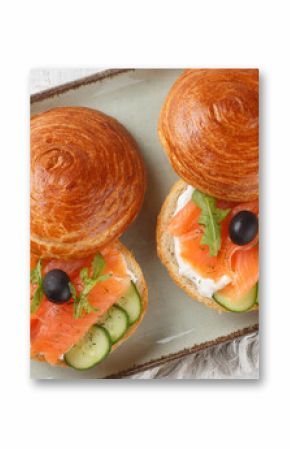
57,90
185,352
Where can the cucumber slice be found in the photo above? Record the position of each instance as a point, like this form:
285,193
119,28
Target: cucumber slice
131,303
90,350
237,305
257,299
116,322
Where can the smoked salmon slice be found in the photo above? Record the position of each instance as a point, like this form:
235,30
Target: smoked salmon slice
240,263
245,267
54,330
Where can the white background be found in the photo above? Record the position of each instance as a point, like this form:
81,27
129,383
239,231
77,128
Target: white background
160,414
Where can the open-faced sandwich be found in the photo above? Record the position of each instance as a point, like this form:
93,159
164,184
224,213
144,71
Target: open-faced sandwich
88,293
207,232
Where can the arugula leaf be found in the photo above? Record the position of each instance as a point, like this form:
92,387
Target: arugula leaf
104,277
88,286
81,303
36,279
98,265
35,274
72,290
84,274
75,298
36,299
86,306
211,217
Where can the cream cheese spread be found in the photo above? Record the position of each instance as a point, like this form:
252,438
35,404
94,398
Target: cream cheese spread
205,286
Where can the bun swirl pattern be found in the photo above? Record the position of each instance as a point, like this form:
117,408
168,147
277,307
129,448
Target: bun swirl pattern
209,127
87,181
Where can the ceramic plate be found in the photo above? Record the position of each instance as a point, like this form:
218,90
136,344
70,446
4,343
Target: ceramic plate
174,325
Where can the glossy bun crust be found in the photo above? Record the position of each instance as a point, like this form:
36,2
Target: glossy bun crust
87,181
209,127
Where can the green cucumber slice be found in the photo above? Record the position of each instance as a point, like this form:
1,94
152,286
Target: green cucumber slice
90,350
116,322
131,303
237,305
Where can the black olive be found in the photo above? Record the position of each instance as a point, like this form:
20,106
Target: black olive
243,227
56,286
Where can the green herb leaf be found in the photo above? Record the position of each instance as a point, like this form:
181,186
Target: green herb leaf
36,299
88,286
84,274
35,274
88,308
75,298
72,290
104,277
210,217
77,308
98,265
36,279
81,303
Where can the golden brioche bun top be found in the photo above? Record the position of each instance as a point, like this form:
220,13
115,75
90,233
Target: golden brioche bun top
209,127
87,181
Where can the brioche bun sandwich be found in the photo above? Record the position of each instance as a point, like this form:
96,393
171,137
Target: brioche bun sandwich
207,231
88,293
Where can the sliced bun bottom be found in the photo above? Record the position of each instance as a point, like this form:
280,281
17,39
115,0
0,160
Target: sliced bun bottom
143,290
166,252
